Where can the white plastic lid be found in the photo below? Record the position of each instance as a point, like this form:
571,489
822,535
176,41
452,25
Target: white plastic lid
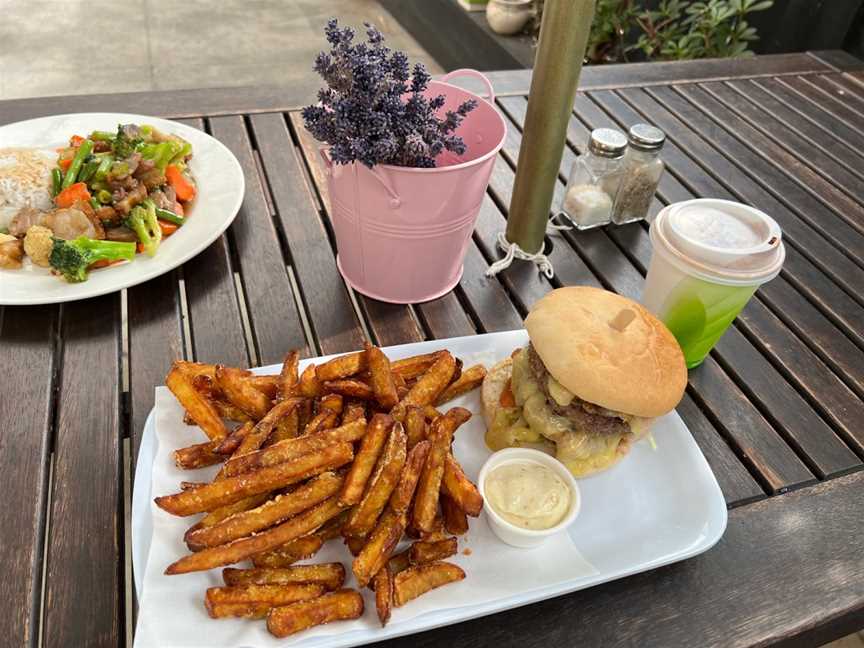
720,240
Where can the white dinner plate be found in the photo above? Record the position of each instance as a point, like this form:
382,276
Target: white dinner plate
220,193
656,507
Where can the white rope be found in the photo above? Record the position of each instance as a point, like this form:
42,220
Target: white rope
552,225
513,251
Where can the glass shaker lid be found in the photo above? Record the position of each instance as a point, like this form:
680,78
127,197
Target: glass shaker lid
646,137
607,142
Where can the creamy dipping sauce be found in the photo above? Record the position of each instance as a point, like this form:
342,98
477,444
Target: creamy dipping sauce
528,495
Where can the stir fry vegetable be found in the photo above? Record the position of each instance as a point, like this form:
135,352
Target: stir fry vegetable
73,259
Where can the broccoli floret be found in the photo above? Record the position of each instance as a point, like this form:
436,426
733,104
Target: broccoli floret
126,142
73,258
142,220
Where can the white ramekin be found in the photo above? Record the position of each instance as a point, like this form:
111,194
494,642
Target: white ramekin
510,533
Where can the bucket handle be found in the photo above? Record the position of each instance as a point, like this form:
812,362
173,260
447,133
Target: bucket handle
490,92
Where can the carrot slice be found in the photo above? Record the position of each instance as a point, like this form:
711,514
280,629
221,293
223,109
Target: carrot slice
167,228
72,194
184,189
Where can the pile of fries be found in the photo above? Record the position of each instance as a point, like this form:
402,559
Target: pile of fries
354,448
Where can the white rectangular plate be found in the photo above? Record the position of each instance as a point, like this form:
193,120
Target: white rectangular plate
654,508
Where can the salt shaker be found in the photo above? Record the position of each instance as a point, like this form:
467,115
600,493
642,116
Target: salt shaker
594,179
642,168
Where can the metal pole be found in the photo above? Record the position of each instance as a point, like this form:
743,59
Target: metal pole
563,38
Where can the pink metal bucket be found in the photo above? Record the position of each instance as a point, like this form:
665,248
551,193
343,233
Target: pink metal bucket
402,232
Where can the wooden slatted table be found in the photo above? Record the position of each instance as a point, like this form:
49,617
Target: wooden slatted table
777,407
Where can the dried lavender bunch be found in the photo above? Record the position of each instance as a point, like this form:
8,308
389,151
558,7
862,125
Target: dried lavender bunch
361,113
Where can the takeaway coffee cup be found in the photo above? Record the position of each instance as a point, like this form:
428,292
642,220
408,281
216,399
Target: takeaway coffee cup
709,258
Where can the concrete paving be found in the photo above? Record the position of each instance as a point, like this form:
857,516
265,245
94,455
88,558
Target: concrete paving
51,47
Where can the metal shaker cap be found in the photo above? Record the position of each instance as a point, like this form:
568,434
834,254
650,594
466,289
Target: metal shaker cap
646,137
607,142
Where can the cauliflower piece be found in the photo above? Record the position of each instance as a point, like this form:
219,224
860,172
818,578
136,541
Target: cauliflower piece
38,244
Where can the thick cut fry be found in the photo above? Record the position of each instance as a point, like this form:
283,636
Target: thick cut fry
206,386
437,535
238,610
383,586
414,366
431,413
399,562
310,386
440,435
470,379
232,489
198,455
354,411
267,385
370,449
189,485
228,411
233,441
239,390
415,425
323,420
355,544
460,488
330,576
292,448
381,544
289,376
455,520
293,528
299,549
429,386
381,377
342,366
262,430
335,606
199,408
426,552
287,427
419,579
349,387
217,515
268,514
332,403
363,517
403,494
218,598
193,369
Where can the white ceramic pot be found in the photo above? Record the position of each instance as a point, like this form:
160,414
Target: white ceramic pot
508,17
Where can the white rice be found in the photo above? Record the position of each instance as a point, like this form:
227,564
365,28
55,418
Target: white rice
25,180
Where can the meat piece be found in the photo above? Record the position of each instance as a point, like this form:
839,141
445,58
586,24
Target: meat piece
122,234
107,215
161,200
11,254
587,416
130,199
26,218
143,167
71,223
153,179
132,131
101,147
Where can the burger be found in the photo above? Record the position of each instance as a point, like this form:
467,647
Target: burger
596,372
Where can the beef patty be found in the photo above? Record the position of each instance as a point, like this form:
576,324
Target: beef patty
585,415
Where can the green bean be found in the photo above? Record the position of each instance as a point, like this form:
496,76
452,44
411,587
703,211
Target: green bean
56,181
102,136
72,172
104,167
169,216
88,171
95,204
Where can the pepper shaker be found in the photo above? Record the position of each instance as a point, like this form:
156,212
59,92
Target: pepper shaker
642,168
594,180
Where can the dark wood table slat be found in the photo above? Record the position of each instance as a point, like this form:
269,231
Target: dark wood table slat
155,340
27,337
486,298
828,454
836,59
273,314
801,544
822,192
846,84
845,106
444,317
807,103
797,134
332,316
84,571
809,279
215,322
